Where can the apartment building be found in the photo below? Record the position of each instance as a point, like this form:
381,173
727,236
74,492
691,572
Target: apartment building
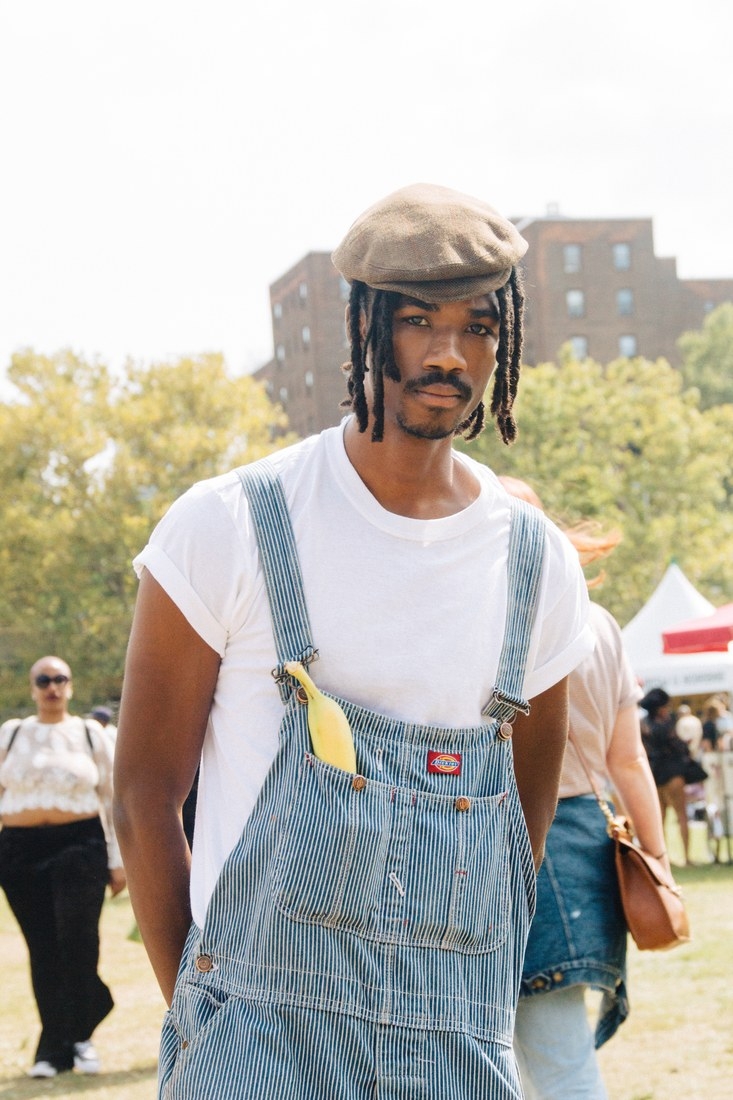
595,284
308,308
598,285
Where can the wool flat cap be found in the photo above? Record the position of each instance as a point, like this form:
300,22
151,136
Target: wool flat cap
431,243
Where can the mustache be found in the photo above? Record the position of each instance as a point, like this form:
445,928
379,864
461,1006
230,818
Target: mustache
439,378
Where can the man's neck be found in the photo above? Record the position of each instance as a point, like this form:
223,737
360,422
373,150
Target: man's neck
413,477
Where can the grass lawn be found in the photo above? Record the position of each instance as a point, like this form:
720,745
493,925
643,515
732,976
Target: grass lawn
678,1041
127,1040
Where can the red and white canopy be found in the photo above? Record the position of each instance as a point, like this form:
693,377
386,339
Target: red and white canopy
708,634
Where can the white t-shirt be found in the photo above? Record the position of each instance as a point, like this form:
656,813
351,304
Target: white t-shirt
407,615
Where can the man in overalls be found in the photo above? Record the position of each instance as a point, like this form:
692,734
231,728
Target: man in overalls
340,934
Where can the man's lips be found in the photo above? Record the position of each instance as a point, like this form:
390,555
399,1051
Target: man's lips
439,390
444,399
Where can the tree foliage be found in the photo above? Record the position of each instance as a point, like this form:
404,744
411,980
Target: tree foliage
627,446
707,357
89,462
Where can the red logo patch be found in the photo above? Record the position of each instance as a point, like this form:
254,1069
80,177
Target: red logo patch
444,763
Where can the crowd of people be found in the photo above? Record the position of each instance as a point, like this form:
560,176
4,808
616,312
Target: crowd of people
432,920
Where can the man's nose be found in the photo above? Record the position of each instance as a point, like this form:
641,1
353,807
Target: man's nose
445,352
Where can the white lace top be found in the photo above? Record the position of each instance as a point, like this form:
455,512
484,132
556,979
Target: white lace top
53,766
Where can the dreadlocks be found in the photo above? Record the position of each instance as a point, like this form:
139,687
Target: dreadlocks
378,307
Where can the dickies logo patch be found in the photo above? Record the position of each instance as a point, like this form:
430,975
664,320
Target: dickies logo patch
444,763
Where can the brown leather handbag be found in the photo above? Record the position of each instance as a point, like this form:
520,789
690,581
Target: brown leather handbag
652,901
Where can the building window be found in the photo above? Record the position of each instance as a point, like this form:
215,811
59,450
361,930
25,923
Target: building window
344,289
575,300
622,257
309,379
579,345
280,353
627,346
708,307
277,310
303,292
305,335
283,394
625,302
572,259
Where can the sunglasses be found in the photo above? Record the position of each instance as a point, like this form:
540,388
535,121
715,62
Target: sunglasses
43,681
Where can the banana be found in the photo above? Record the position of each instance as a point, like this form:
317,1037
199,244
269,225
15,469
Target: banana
329,727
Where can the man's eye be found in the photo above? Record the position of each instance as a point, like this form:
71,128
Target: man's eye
477,329
415,319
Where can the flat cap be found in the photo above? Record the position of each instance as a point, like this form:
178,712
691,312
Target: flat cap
431,243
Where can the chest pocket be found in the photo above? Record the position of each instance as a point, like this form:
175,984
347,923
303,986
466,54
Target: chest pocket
394,865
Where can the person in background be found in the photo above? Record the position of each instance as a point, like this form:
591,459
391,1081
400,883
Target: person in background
689,728
103,715
668,757
710,732
58,854
358,928
724,723
578,936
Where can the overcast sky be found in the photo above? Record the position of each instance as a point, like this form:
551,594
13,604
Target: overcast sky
164,161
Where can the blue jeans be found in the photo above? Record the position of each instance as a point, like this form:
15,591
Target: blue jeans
554,1047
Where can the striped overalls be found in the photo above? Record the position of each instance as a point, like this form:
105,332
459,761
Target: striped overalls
366,934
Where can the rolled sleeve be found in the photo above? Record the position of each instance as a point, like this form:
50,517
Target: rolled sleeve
187,600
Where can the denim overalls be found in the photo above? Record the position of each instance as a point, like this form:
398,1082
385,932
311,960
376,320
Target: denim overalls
366,934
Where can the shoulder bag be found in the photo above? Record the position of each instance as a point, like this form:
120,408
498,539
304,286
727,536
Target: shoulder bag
652,901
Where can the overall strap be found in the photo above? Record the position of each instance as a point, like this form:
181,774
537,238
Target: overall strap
526,553
279,558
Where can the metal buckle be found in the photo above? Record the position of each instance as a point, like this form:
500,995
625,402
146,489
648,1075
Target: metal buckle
280,676
505,700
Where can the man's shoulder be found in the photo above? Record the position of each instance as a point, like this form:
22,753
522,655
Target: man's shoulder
289,460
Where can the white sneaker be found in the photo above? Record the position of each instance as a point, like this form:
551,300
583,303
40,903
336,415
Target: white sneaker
86,1059
42,1069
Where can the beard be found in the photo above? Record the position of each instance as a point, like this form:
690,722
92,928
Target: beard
425,431
435,424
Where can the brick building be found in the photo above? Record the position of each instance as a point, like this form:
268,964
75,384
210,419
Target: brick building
598,285
593,283
308,307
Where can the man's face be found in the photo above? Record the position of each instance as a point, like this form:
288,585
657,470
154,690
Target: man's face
445,353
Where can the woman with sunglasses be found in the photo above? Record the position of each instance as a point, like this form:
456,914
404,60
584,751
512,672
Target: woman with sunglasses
58,853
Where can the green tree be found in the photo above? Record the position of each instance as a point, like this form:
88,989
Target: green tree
89,463
707,357
625,445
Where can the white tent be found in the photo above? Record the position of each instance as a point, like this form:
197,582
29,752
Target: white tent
673,601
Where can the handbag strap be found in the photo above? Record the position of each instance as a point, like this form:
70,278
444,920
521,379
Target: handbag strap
615,824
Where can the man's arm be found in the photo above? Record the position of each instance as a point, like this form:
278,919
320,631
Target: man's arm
170,677
539,744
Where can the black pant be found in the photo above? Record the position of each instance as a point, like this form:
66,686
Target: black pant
54,878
